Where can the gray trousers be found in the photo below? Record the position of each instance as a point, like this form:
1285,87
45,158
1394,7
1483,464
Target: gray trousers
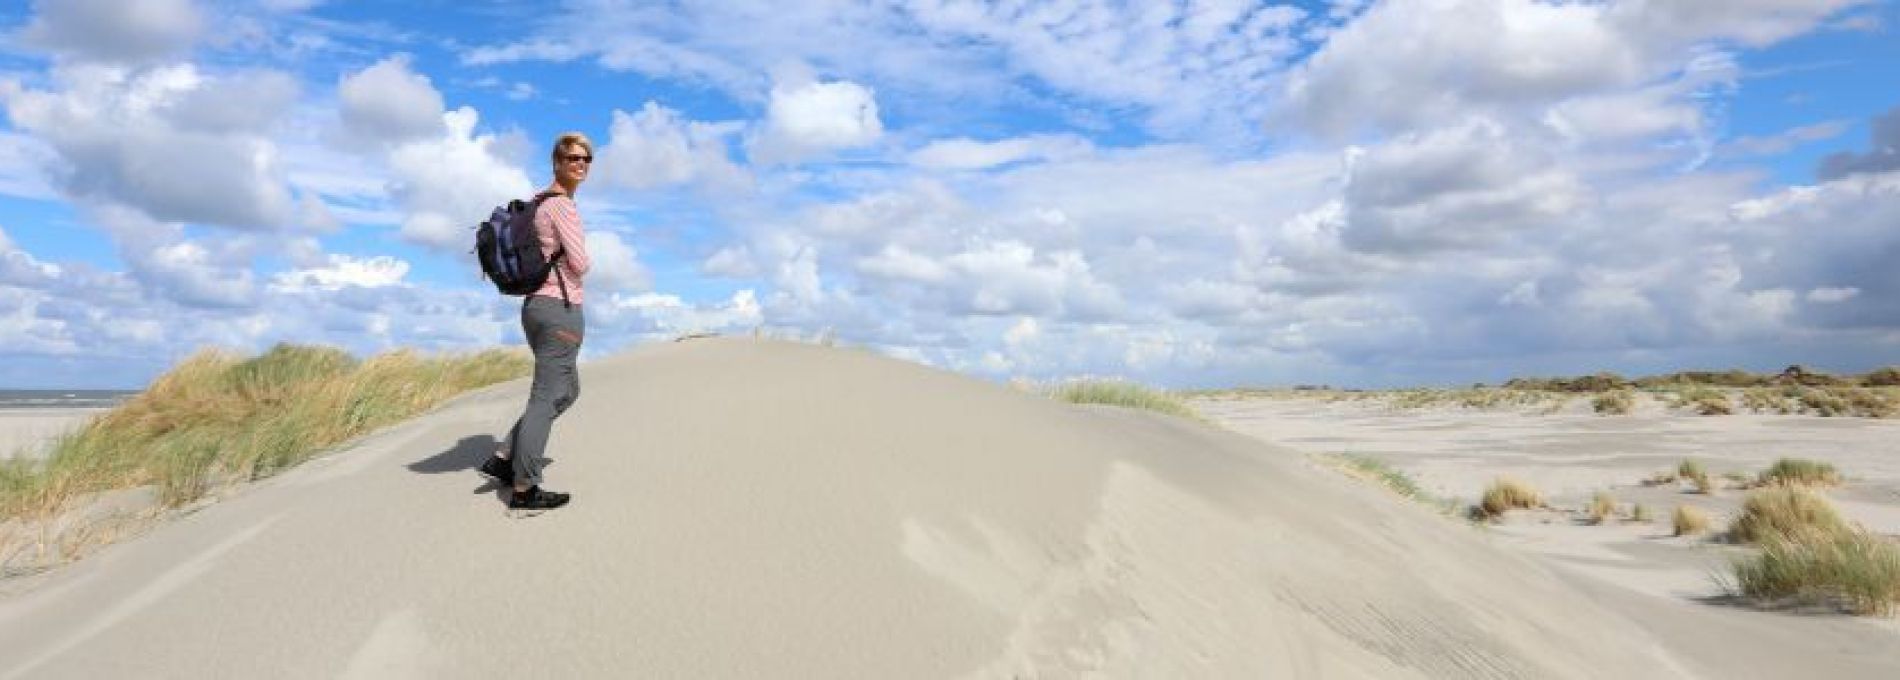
554,332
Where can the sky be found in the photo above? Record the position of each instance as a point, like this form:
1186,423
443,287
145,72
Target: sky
1185,193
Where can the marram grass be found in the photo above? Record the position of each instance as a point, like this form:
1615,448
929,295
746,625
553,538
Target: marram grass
217,418
1850,567
1124,394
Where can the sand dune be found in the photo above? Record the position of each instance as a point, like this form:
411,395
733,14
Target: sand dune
759,509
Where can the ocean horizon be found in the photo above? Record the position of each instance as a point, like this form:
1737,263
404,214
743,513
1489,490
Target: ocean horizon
63,399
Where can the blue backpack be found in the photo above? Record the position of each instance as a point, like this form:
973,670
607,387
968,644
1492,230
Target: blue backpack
510,252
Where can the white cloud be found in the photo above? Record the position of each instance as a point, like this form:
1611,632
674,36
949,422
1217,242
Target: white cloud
668,315
1461,187
116,142
656,148
450,183
616,265
389,103
807,119
341,271
969,154
1832,295
112,30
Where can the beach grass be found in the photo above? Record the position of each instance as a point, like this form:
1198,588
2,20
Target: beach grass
1639,513
1690,520
1123,394
1602,507
1800,471
1616,403
1506,494
218,418
1366,467
1851,567
1783,511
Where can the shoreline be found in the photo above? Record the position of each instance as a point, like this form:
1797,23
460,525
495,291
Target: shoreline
25,432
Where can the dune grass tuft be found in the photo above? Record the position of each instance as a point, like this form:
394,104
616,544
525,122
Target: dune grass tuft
1124,394
216,418
1506,494
1640,513
1781,511
1692,471
1854,568
1369,468
1800,471
1602,507
1690,520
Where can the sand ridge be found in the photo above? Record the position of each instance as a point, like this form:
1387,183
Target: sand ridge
751,508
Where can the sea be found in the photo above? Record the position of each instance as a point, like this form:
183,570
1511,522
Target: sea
63,399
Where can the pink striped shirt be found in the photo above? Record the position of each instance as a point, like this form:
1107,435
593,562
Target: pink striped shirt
558,224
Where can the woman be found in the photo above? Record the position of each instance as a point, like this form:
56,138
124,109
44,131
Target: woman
551,319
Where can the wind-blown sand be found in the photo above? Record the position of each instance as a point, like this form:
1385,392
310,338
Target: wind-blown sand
760,509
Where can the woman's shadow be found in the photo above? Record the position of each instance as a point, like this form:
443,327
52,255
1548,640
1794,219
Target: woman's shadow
464,456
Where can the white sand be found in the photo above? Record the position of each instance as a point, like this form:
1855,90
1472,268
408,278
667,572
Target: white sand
1667,584
28,431
761,509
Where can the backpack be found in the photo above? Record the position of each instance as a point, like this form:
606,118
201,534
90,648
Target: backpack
510,252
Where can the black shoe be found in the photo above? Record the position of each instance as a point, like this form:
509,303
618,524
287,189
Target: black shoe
500,469
536,499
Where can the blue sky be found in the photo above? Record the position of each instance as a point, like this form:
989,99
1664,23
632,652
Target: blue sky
1194,193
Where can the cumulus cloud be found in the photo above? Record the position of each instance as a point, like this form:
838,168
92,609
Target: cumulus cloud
450,183
389,103
118,140
969,154
244,102
656,147
111,30
1462,187
1882,156
616,265
807,119
341,271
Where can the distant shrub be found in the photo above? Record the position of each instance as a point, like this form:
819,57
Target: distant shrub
1703,400
1690,520
1800,471
1619,402
1888,376
1774,400
1781,511
1692,471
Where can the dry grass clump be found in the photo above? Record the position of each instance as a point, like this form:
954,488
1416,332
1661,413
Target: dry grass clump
1618,403
1506,494
217,418
1692,471
1602,507
1690,520
1123,394
1853,568
1800,471
1781,511
1640,513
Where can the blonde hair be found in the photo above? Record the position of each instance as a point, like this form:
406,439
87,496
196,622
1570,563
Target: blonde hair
561,143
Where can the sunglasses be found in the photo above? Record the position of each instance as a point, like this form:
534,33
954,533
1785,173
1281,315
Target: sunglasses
574,157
